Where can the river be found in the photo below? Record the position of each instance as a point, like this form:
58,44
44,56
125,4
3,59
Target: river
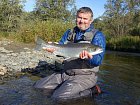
119,80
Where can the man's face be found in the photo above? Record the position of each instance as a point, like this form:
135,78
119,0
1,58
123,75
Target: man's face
83,21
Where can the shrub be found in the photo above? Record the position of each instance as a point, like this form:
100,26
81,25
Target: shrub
124,43
50,30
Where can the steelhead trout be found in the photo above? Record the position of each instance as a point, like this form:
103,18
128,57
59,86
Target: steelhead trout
69,50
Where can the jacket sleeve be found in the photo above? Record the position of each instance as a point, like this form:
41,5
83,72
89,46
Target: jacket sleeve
99,39
64,37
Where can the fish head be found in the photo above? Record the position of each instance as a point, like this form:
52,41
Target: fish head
94,50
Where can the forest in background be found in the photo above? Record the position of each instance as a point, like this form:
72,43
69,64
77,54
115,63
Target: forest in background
51,18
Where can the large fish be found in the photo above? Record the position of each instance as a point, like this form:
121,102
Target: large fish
69,50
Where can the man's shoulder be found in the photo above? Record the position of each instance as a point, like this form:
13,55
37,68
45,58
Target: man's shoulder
99,33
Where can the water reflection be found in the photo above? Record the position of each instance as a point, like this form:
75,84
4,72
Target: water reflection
119,79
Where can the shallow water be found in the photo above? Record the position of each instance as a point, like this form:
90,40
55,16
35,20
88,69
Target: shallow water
119,79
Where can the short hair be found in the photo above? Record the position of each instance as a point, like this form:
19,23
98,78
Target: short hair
85,10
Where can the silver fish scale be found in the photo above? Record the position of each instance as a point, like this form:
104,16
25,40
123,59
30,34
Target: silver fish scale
69,51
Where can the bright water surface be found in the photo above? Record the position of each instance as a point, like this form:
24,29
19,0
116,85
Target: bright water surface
119,79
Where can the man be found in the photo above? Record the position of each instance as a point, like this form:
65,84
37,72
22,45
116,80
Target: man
79,75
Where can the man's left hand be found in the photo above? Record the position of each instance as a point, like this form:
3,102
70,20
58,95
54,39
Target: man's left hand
85,55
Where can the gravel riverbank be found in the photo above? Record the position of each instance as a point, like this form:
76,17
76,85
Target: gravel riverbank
17,57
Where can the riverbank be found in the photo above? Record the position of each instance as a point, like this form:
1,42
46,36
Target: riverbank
19,57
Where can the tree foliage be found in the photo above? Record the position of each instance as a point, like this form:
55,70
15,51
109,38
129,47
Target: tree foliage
122,17
57,9
10,14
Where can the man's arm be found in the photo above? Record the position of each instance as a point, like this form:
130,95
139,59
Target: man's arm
99,40
64,37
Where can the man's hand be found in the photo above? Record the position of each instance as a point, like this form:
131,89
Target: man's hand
84,55
51,50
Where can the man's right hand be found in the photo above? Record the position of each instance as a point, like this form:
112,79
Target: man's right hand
51,50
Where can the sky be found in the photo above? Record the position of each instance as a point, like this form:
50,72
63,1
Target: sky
97,6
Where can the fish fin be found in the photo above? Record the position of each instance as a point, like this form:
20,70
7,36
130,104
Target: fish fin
70,58
38,48
67,58
39,42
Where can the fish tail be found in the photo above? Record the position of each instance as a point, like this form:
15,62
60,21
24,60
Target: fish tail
39,42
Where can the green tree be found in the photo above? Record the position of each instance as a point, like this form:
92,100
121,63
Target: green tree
10,13
134,8
58,9
120,16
